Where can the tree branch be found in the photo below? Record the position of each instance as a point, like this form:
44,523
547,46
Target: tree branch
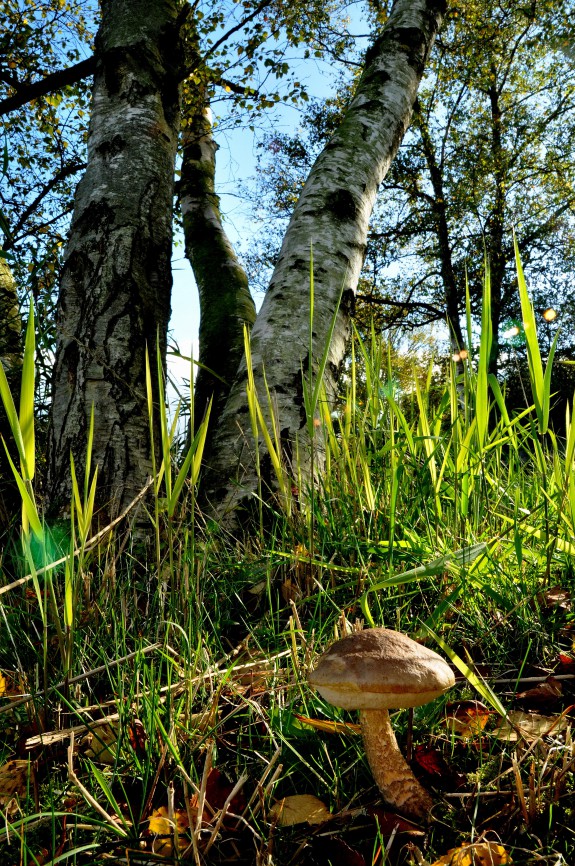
64,172
53,81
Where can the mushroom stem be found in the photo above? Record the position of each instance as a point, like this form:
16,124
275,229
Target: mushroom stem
391,771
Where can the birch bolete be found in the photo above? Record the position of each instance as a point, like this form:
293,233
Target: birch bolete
374,671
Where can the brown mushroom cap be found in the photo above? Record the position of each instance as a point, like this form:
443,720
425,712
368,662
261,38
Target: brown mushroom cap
380,669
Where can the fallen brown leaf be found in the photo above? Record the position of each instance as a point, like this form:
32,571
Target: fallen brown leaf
555,597
467,719
391,822
218,789
531,725
101,743
13,784
435,767
566,664
545,694
138,737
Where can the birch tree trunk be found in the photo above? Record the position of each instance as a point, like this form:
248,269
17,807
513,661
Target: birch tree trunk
115,291
225,300
333,212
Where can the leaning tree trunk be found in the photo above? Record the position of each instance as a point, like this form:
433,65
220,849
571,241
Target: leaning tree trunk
11,360
332,214
115,292
226,304
442,233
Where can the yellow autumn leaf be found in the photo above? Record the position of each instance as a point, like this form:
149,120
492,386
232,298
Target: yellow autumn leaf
159,824
476,854
299,809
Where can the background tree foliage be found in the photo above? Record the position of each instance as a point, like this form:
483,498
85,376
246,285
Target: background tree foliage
491,150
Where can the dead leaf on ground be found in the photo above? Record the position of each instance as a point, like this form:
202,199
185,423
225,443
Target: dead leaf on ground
163,829
566,664
13,784
476,854
137,737
299,809
431,761
101,743
555,597
544,694
327,726
467,719
531,725
218,789
391,822
9,687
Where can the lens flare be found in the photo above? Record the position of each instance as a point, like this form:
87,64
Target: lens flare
550,314
511,332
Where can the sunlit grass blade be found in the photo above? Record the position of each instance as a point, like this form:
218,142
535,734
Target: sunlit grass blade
481,386
193,459
463,557
26,415
30,515
12,415
472,678
540,380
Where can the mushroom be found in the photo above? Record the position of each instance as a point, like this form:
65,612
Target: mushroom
373,671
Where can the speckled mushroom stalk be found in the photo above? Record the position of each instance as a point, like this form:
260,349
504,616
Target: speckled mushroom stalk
391,772
373,671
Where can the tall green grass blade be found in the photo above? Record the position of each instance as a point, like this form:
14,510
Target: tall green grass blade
540,380
459,558
472,678
481,387
12,415
27,387
164,429
193,459
108,793
29,510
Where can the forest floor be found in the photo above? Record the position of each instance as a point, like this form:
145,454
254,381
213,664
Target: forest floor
154,698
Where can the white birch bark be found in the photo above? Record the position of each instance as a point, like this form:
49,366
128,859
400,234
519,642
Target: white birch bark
333,212
115,292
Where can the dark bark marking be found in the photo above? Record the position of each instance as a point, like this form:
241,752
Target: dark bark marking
342,205
111,148
193,152
98,215
347,305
